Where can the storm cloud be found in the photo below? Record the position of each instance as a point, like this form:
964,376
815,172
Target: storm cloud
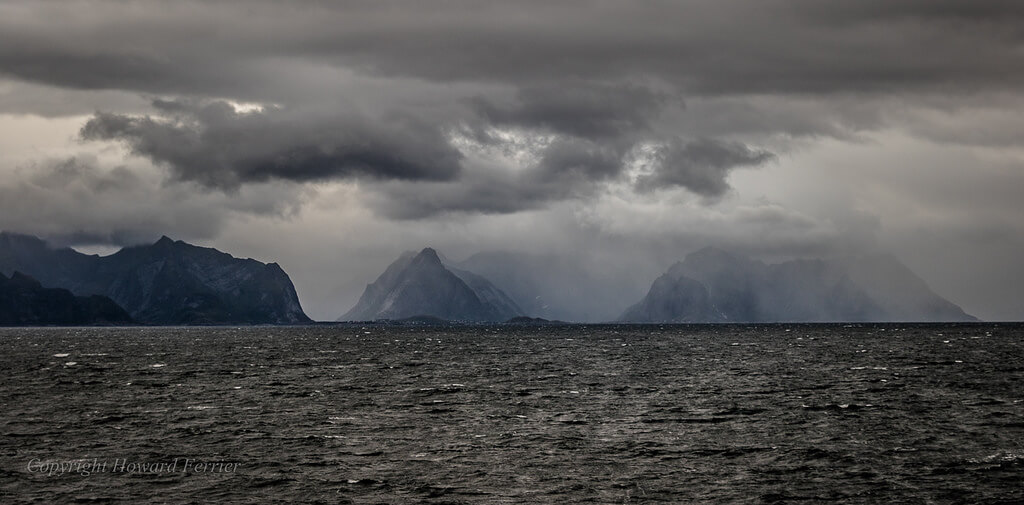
562,169
700,165
587,110
217,146
704,46
558,73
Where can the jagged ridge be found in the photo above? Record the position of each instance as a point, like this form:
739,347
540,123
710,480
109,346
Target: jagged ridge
169,282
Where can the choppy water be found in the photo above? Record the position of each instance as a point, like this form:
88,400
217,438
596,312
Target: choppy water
592,414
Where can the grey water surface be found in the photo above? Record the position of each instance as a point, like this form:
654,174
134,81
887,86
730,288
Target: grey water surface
781,413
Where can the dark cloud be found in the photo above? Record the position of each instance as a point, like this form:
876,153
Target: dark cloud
921,10
593,71
217,146
588,110
568,160
700,166
702,46
565,169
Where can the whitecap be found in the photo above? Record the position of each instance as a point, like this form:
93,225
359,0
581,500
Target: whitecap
1004,457
61,355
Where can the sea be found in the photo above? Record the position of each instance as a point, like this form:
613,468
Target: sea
559,414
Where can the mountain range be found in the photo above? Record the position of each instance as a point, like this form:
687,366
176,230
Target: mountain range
708,286
168,282
173,283
712,285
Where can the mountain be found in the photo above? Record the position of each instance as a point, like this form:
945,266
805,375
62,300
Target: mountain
712,285
169,282
422,285
565,288
675,299
25,302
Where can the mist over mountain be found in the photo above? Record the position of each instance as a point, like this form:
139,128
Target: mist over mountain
712,285
560,287
24,301
168,282
423,285
900,291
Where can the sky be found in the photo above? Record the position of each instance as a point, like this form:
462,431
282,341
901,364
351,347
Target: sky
331,136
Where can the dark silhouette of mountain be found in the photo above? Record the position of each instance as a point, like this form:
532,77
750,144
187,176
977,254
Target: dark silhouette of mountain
712,285
25,302
421,285
169,282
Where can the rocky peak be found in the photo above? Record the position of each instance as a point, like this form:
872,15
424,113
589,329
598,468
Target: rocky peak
422,285
428,256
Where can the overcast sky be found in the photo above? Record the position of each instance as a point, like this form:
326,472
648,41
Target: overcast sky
331,136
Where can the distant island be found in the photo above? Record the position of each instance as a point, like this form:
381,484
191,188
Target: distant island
714,286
